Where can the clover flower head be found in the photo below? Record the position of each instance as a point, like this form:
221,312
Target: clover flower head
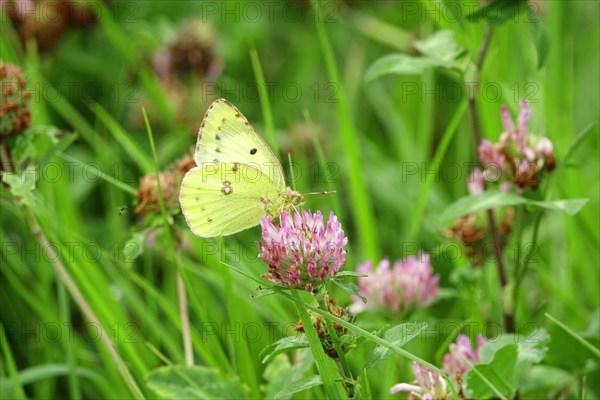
170,182
409,284
429,385
516,157
302,251
15,115
454,362
148,194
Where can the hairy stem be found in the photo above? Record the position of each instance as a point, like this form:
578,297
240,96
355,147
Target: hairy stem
336,340
509,323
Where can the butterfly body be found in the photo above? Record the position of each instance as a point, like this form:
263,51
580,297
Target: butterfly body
237,179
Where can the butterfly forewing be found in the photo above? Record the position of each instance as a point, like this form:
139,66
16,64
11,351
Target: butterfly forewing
226,136
222,199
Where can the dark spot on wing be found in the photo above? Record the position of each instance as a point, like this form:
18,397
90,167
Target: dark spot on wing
217,136
238,115
215,160
197,198
223,120
253,151
209,220
217,150
235,167
226,189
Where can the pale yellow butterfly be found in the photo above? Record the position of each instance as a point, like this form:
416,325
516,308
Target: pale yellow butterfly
237,179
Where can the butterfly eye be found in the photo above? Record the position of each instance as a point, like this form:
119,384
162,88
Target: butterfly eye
253,151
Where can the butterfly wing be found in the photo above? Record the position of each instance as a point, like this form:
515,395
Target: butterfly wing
226,136
222,199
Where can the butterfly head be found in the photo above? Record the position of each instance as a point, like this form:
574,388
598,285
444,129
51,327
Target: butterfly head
292,198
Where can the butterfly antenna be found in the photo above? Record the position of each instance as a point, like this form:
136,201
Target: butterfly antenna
314,193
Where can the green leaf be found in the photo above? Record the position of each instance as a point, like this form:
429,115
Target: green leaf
179,382
34,142
280,372
495,199
543,381
283,345
299,386
481,202
397,336
532,348
438,50
541,40
569,207
263,292
22,185
344,274
440,46
400,64
497,12
350,288
496,379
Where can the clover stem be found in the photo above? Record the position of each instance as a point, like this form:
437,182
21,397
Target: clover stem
336,341
509,323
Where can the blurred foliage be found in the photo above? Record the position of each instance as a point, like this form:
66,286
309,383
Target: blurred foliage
92,78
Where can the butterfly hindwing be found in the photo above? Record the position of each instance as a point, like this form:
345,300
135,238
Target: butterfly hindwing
222,199
226,136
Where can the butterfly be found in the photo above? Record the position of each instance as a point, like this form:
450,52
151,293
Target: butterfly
237,179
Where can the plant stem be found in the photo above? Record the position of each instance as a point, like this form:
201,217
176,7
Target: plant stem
185,322
321,360
509,323
5,158
334,336
487,37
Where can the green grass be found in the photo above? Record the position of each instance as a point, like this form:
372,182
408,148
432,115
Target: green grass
360,139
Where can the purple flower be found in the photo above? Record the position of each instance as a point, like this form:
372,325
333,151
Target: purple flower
429,384
476,182
490,155
523,124
409,284
519,133
453,360
544,148
302,252
518,157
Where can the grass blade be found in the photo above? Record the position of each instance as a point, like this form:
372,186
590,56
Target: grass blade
361,203
595,351
430,179
123,138
264,101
